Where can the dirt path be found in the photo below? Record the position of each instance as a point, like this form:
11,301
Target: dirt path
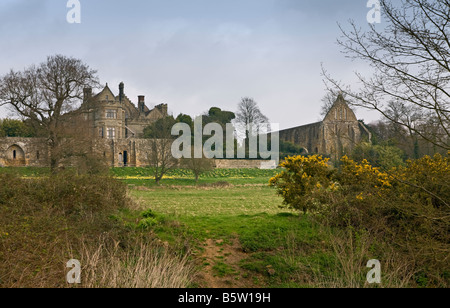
221,266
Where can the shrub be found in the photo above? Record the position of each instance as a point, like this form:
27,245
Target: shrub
303,181
383,156
147,223
148,214
44,222
406,208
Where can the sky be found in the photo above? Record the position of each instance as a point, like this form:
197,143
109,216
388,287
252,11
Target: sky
195,54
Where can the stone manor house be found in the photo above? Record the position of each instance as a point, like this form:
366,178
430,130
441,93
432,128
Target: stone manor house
114,123
116,126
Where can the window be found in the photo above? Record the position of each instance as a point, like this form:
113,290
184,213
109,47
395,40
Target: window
100,132
111,133
111,114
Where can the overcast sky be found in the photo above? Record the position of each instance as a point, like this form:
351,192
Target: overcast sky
194,54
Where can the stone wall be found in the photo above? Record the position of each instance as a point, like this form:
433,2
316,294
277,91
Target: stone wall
19,152
308,136
336,135
244,164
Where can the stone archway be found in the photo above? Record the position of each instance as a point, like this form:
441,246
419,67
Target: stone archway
15,156
304,151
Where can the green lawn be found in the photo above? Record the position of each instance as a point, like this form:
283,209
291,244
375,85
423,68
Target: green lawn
26,171
278,247
272,237
183,177
234,227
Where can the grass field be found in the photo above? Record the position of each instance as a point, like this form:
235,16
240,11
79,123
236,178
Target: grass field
234,225
231,225
244,220
183,177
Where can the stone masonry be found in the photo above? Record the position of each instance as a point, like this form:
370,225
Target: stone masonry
116,126
336,135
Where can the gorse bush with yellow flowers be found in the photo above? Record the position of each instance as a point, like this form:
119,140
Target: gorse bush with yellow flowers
406,208
304,181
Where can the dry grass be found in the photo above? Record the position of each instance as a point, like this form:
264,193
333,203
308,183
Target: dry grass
46,222
350,269
141,265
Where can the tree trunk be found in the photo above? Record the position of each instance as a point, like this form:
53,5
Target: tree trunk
54,156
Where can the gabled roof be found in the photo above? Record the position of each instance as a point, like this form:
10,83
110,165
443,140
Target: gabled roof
106,91
340,111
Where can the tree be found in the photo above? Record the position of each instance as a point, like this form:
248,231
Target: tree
160,129
290,149
249,115
184,118
198,166
44,93
328,101
2,132
219,116
411,61
250,122
381,156
160,156
16,128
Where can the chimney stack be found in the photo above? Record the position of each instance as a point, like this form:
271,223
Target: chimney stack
121,91
141,103
87,94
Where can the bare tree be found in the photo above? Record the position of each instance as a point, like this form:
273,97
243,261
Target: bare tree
77,147
327,103
410,56
44,93
329,99
160,156
250,120
197,165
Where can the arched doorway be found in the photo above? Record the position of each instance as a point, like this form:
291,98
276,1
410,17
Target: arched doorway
125,158
15,156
